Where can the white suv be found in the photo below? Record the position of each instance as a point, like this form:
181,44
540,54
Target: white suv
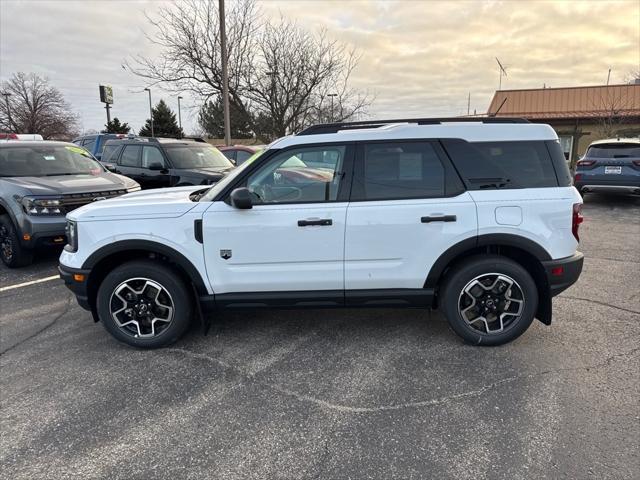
474,216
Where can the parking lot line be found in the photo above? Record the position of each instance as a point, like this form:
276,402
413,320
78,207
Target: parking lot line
32,282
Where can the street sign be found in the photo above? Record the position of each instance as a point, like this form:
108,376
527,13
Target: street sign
106,94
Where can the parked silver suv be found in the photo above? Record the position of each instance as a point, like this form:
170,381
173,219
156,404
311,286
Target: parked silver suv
40,182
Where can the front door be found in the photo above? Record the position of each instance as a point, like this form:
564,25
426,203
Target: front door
292,240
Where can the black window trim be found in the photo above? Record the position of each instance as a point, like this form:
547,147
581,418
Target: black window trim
453,185
344,191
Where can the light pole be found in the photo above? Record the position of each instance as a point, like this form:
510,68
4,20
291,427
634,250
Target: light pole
6,98
150,110
332,95
225,78
272,74
179,116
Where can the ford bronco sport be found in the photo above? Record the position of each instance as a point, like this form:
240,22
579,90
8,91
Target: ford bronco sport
476,217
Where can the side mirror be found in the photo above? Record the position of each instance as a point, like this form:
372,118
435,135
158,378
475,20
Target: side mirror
156,166
241,198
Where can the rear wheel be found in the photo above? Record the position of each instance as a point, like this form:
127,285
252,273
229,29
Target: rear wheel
13,254
489,300
144,304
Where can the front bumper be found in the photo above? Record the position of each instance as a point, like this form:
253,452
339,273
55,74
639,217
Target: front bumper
43,231
563,273
76,280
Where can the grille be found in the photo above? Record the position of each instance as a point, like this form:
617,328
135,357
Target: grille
72,201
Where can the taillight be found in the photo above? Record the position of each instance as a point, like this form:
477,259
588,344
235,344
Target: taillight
636,163
576,220
578,177
585,163
8,136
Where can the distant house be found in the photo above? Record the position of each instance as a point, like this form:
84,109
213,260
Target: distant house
579,115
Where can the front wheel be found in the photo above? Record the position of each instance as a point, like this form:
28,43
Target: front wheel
489,300
144,304
12,253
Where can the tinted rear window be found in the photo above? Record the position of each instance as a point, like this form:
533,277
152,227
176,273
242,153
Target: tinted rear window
487,165
614,150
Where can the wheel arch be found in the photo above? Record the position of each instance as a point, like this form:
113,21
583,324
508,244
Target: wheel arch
522,250
105,259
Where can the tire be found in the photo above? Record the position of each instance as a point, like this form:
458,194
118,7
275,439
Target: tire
466,287
12,253
150,289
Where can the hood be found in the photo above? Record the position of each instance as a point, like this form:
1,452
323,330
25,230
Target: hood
156,203
65,184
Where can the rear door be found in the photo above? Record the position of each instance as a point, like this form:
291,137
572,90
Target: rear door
407,207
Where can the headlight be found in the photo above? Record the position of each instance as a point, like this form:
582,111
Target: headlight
42,206
72,236
135,188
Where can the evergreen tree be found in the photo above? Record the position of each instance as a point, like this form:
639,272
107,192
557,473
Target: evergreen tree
211,119
164,123
114,126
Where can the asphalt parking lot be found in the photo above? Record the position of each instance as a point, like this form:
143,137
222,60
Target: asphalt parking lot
332,394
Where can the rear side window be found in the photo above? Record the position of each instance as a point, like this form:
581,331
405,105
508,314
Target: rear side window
488,165
396,171
614,150
131,156
89,144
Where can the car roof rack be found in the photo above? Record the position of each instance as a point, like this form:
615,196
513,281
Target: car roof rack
336,127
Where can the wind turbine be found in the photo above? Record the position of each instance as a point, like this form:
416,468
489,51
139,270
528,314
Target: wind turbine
503,72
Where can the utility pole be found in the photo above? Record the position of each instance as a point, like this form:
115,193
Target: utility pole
108,108
608,76
469,104
332,95
225,77
6,99
272,74
150,111
179,116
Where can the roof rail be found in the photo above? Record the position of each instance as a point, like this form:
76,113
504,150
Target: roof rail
336,127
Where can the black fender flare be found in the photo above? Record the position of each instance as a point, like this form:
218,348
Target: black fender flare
152,247
498,239
12,216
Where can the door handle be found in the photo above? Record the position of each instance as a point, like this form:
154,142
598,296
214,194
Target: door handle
321,222
438,218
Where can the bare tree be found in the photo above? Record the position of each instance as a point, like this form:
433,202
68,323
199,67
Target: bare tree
279,74
611,111
34,106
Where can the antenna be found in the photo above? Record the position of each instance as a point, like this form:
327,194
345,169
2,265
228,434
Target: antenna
502,71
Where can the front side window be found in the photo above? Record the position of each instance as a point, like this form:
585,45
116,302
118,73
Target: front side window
109,154
294,176
36,161
131,156
395,171
197,156
151,156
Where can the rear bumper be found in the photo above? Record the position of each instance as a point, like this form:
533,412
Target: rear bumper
608,188
71,277
563,273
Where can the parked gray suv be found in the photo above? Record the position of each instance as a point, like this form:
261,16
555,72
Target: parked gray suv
40,182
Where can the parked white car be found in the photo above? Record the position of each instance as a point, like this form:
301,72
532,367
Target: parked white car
477,218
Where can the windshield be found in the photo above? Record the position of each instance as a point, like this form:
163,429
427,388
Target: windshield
47,160
614,150
197,156
218,187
